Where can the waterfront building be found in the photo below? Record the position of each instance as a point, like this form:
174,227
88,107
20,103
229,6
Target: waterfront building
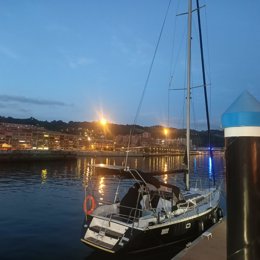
29,137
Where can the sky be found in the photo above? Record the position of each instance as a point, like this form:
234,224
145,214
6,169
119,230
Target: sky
78,60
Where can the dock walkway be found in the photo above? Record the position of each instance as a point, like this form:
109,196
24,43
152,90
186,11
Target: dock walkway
210,245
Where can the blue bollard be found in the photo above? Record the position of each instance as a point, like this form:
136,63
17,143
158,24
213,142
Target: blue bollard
241,123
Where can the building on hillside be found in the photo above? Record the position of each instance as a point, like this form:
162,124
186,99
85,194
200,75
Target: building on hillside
29,137
144,139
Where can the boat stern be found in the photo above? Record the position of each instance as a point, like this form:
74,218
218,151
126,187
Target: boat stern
104,234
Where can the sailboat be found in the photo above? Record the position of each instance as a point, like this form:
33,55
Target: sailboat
151,214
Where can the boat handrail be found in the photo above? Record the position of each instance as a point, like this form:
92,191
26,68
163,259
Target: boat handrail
134,214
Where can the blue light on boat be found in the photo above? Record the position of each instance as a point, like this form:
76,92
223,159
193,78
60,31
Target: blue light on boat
210,167
195,165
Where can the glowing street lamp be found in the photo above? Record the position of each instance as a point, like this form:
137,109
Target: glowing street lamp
103,121
166,131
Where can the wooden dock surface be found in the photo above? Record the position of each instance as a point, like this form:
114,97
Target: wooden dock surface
207,247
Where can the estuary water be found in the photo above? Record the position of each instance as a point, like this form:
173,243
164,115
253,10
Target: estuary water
41,203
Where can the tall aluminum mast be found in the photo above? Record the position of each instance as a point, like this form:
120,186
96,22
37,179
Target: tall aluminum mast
188,95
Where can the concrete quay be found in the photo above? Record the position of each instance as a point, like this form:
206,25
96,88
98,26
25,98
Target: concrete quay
36,155
210,245
32,155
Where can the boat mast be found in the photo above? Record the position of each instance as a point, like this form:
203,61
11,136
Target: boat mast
203,73
205,86
188,95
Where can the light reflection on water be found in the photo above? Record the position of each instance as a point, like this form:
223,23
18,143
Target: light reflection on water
210,168
41,202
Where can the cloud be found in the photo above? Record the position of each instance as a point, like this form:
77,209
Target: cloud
119,45
135,50
80,61
8,52
57,28
74,61
34,101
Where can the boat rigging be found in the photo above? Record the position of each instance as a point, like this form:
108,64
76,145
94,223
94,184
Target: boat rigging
151,214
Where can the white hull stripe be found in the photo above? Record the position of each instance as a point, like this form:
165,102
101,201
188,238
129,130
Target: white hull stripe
249,131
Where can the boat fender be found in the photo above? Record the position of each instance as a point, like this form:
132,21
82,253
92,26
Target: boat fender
220,213
93,205
214,218
201,226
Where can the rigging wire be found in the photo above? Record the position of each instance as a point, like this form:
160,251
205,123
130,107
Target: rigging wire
146,82
173,48
173,61
185,84
208,55
171,74
195,37
194,117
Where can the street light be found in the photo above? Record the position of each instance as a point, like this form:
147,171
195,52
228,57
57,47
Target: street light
103,122
166,131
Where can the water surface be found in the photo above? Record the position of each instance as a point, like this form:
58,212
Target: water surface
41,204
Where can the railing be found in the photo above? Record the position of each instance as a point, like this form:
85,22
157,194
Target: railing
130,215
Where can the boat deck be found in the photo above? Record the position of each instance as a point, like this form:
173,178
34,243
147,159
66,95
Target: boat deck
210,245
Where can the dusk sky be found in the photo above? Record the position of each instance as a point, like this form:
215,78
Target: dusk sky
74,60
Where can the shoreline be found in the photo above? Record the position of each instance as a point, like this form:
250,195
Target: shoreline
33,155
41,155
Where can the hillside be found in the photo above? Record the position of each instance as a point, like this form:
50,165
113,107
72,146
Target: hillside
199,138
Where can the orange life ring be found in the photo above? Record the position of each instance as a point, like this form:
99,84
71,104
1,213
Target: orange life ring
93,205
